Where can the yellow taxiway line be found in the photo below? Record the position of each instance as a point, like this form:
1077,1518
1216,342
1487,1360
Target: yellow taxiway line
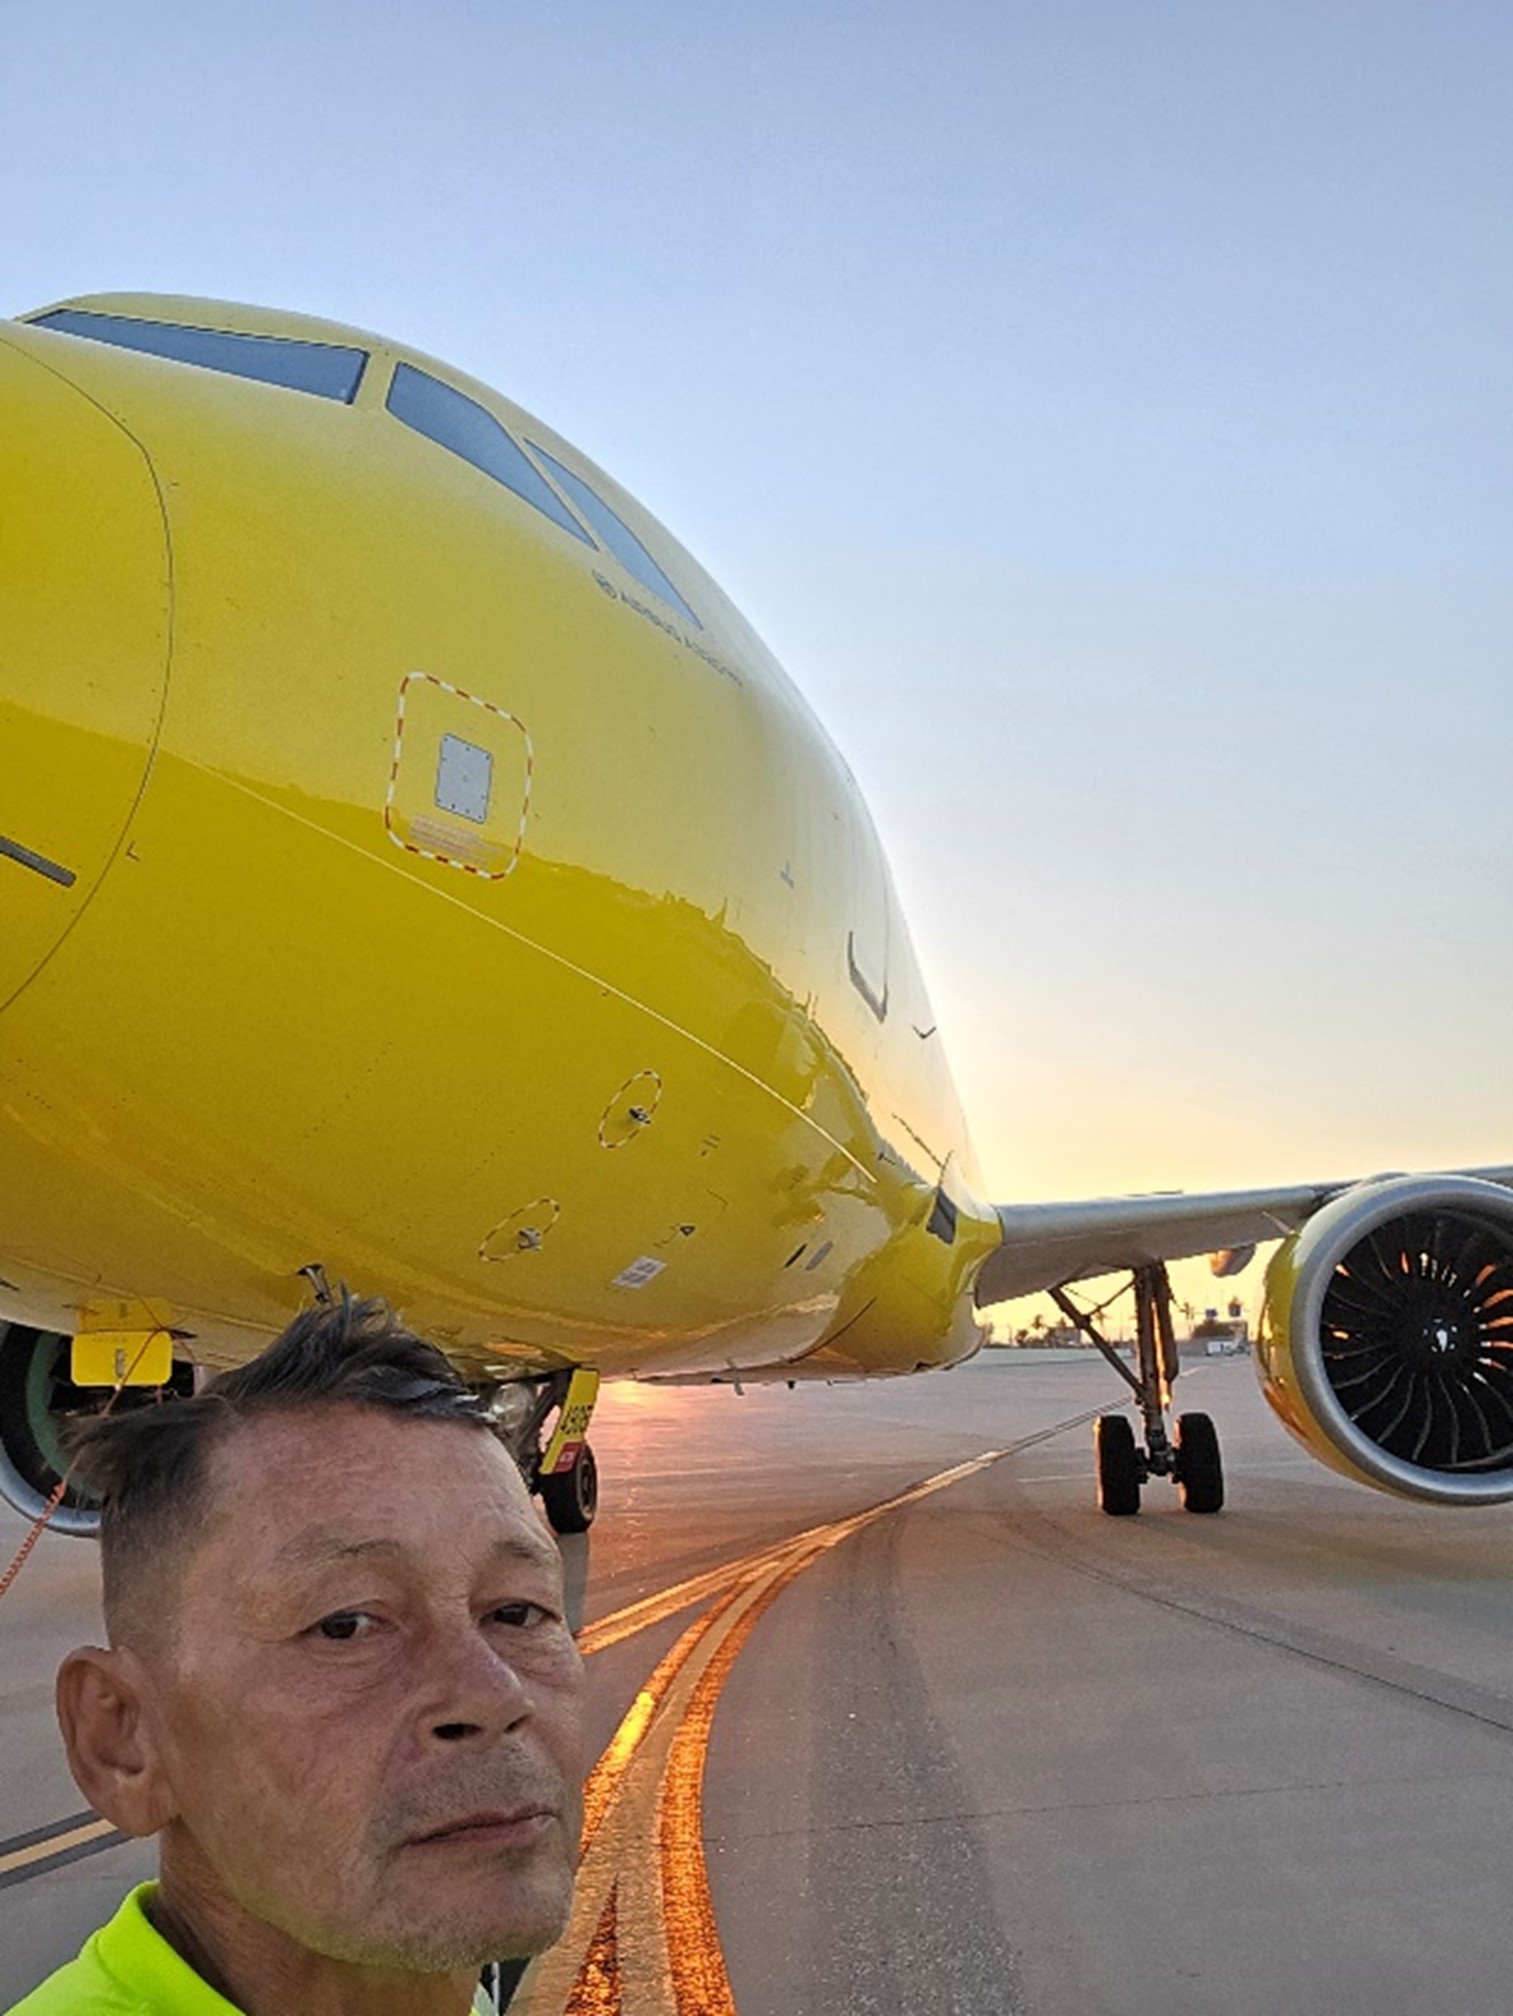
55,1844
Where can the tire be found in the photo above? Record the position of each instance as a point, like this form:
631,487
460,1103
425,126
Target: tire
572,1499
1119,1478
1200,1468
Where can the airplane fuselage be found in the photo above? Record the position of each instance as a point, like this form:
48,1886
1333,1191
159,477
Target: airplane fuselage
417,890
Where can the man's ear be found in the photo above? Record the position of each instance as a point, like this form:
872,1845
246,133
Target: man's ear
102,1701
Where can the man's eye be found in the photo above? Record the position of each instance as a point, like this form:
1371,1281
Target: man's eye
521,1616
345,1625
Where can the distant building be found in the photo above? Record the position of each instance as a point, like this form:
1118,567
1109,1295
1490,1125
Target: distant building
1222,1336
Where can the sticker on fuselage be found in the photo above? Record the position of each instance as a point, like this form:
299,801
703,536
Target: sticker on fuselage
638,1273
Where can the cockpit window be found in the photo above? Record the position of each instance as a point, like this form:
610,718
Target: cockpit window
454,421
330,370
617,535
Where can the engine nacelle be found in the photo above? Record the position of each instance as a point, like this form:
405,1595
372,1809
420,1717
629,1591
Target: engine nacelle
1390,1353
37,1399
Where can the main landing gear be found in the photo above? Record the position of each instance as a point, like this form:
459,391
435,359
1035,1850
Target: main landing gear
1189,1456
559,1465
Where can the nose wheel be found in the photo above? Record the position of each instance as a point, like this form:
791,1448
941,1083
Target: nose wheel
544,1425
1189,1454
570,1498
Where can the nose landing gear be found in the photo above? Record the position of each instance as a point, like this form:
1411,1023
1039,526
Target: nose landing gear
560,1467
1189,1456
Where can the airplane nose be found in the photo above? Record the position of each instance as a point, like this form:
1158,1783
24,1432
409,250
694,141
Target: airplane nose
85,595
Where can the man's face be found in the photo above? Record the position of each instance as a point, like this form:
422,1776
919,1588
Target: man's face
368,1704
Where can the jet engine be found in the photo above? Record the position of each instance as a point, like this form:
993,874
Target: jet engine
1390,1345
37,1400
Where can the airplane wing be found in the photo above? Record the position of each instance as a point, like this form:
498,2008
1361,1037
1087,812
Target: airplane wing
1048,1245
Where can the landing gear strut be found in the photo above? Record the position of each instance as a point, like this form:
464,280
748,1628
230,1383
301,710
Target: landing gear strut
1189,1456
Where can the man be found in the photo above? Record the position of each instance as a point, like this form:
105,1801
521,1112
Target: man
340,1688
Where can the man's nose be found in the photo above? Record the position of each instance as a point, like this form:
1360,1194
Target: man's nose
474,1690
84,629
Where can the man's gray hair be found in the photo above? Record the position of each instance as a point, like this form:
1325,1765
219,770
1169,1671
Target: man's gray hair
147,1464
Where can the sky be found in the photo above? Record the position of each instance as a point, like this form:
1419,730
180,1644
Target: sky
1101,410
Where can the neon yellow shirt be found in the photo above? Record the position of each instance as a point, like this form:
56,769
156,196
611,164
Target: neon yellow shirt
128,1968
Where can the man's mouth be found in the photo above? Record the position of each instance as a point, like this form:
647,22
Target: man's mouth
503,1827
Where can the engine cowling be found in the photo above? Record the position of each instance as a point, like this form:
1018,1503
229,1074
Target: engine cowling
1389,1352
37,1400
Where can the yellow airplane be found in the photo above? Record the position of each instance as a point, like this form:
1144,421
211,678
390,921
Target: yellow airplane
415,873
